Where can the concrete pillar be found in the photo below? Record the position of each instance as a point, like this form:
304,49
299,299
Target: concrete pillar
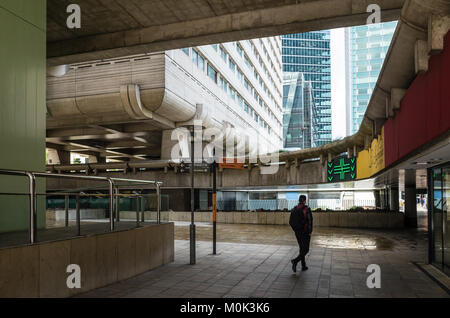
397,95
97,159
438,26
56,157
410,198
377,195
52,156
421,56
181,145
22,107
367,142
394,199
64,157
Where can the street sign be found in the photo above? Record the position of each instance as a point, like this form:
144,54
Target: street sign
231,164
185,167
341,169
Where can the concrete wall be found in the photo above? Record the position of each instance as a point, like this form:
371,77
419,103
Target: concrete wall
360,220
40,270
305,173
22,105
85,214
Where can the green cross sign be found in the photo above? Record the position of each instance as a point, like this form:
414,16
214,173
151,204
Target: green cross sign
341,169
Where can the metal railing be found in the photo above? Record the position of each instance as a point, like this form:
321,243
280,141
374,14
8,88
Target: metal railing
113,192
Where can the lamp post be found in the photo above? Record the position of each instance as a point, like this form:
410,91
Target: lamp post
192,226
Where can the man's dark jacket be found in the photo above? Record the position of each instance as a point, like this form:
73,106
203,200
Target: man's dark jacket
297,220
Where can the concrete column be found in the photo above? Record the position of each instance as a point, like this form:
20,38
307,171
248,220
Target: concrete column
421,56
180,146
64,157
394,199
377,195
53,158
410,198
97,159
22,108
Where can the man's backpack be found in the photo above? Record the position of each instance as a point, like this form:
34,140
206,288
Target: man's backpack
298,220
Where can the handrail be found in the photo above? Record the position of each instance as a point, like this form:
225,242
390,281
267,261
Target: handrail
32,199
112,187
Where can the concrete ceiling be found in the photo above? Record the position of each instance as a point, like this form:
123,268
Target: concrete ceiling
114,28
124,142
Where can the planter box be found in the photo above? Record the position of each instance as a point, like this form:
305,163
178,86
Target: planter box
361,220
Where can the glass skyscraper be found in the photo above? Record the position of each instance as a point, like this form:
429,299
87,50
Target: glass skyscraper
368,46
299,117
309,54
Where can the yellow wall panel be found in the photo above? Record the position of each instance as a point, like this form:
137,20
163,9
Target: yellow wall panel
371,161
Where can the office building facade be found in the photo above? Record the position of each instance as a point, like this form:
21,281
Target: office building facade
242,82
368,46
299,114
309,53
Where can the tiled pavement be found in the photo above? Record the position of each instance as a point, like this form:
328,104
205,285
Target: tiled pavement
337,266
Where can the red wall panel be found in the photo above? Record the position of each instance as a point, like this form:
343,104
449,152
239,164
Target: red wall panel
424,112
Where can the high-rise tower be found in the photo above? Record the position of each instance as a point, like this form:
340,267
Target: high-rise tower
309,53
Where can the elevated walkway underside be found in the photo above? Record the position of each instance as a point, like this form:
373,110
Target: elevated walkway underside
139,27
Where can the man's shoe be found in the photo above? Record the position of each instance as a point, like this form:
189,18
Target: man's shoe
304,268
294,266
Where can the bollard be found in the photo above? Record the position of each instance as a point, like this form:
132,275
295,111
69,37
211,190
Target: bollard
117,205
66,206
142,210
33,208
137,211
78,216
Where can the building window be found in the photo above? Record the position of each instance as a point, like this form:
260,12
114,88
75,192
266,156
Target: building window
232,93
212,73
223,54
232,65
240,75
214,46
240,100
239,49
186,51
223,84
198,60
247,61
201,62
247,85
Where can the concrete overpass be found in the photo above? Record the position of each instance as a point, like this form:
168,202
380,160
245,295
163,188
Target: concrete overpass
412,67
92,119
419,35
120,28
414,134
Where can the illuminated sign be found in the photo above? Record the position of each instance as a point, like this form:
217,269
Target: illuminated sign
341,169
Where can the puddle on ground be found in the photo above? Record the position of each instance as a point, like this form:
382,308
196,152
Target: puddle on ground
336,238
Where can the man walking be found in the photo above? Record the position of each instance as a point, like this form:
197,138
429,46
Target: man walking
301,221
